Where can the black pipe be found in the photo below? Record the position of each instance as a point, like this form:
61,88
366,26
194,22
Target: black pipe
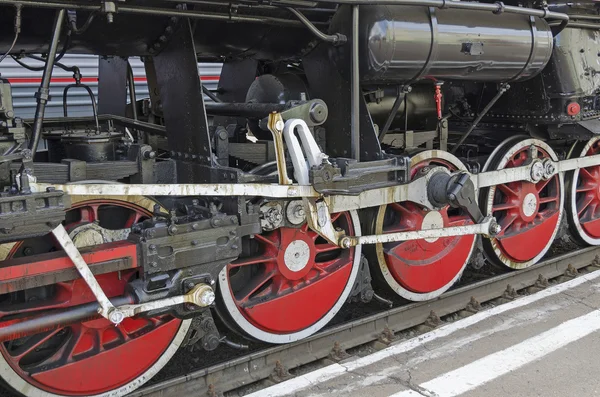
393,112
43,94
59,319
503,88
17,29
253,110
131,85
355,89
335,39
209,94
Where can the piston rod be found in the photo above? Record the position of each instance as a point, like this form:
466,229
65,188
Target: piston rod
51,321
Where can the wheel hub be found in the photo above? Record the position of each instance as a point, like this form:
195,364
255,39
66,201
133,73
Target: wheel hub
296,255
530,205
432,220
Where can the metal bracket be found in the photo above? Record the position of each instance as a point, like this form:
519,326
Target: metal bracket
276,125
309,147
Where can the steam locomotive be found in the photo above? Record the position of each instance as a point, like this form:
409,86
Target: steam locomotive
354,150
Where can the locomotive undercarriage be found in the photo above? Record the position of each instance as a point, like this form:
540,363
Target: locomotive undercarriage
163,223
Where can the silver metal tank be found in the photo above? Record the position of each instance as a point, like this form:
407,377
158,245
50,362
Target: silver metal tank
405,43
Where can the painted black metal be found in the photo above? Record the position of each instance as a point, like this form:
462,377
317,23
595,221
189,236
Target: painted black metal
112,88
326,83
43,93
132,94
355,90
183,104
348,176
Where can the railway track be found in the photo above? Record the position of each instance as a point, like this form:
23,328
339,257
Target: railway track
271,364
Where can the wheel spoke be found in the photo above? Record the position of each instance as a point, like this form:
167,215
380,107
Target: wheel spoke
266,240
585,172
504,206
506,190
32,343
133,218
586,187
542,184
89,213
320,248
335,217
581,206
507,221
253,286
251,261
550,199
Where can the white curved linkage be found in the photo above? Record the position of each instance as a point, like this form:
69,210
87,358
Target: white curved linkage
309,151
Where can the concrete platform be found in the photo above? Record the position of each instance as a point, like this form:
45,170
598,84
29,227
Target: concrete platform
546,344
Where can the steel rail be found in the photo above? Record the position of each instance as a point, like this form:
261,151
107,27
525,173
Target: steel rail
260,365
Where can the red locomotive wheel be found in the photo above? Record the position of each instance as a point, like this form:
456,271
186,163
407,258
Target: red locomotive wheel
290,282
583,198
419,270
90,358
529,213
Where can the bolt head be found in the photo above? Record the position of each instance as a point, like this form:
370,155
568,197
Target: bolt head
207,297
495,228
116,317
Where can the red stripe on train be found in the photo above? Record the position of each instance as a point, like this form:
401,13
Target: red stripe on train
37,80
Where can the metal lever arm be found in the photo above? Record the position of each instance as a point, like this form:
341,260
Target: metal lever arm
106,310
488,227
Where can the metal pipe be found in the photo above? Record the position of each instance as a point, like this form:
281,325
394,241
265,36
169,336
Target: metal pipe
257,110
51,321
131,85
17,31
209,94
43,94
393,112
497,8
503,88
210,16
575,24
335,39
355,89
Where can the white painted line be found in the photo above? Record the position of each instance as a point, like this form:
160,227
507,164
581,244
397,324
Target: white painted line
326,373
475,374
